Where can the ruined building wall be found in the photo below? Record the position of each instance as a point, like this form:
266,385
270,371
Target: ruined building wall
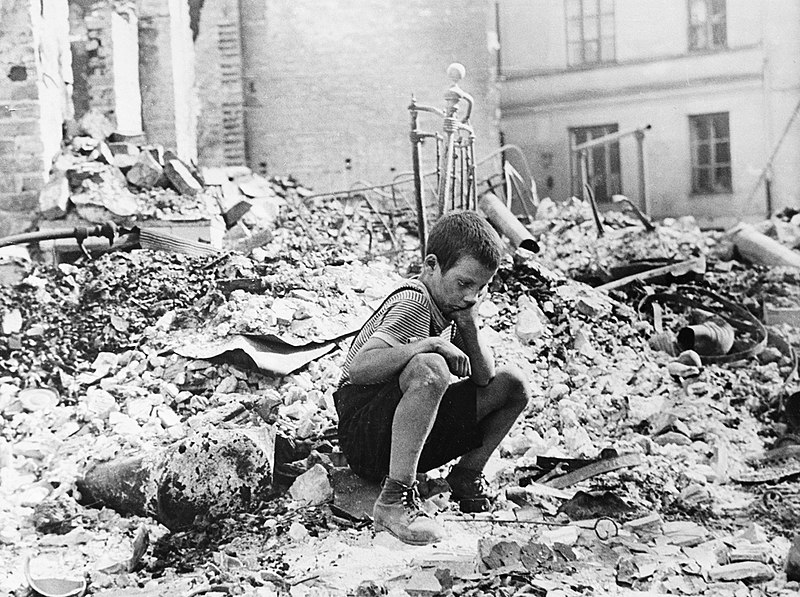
327,81
167,76
218,48
35,65
105,50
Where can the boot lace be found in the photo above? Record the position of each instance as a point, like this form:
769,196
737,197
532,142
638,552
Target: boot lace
410,499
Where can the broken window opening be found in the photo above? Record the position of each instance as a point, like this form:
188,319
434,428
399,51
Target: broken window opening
711,153
707,25
590,32
603,167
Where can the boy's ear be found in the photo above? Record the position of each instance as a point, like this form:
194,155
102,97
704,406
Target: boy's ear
431,261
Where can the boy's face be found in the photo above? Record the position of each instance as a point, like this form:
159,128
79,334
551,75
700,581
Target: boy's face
460,287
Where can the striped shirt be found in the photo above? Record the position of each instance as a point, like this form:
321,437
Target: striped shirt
408,313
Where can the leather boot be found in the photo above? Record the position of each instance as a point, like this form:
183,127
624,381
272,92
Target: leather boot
398,510
469,489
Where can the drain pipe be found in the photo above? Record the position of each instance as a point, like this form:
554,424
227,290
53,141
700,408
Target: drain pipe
506,222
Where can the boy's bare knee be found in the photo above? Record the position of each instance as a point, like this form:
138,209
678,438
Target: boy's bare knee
515,386
428,370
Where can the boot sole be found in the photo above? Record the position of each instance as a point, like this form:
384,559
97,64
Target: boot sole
380,527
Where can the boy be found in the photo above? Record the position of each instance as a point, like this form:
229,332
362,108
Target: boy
398,412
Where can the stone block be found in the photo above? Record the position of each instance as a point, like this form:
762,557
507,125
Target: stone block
16,127
744,571
25,202
9,183
14,222
54,196
146,172
354,495
180,178
312,487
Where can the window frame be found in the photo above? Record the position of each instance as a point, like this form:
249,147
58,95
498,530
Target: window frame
713,164
708,25
575,166
605,43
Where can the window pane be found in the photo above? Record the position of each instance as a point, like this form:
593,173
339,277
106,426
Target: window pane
721,126
574,53
702,182
613,158
590,7
719,34
591,52
573,9
700,126
697,12
573,30
722,178
722,153
608,50
591,28
607,25
704,154
718,7
607,6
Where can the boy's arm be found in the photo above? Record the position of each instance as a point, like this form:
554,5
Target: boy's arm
480,355
377,360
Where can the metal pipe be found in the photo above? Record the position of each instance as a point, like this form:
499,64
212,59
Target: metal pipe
417,166
610,138
640,159
505,221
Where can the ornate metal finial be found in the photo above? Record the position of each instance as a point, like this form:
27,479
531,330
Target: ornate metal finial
456,72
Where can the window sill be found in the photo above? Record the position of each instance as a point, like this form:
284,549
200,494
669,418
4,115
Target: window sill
711,195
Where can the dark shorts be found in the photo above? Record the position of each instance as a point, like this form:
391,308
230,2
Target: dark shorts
365,426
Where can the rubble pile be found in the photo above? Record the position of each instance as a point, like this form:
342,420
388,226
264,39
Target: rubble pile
97,371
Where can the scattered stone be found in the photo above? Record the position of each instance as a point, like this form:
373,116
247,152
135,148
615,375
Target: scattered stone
312,487
744,571
146,172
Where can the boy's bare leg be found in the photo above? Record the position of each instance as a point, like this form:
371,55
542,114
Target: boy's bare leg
423,382
397,510
499,405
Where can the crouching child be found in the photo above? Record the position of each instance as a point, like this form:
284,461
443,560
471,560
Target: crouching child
399,413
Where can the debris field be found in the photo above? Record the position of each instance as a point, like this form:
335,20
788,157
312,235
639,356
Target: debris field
167,424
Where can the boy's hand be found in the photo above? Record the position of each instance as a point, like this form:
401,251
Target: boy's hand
456,359
466,318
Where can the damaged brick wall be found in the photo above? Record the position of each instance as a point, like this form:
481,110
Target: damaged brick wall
105,48
218,46
327,81
167,76
35,100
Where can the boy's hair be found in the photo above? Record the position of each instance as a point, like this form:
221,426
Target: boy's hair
464,234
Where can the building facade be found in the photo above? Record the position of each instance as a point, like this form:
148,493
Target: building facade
712,86
326,85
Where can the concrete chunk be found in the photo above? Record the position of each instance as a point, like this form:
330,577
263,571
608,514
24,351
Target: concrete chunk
146,172
752,571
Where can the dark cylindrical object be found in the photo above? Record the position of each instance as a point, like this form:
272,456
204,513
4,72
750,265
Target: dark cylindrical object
707,339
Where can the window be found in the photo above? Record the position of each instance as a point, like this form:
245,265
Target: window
602,163
590,31
707,25
711,153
